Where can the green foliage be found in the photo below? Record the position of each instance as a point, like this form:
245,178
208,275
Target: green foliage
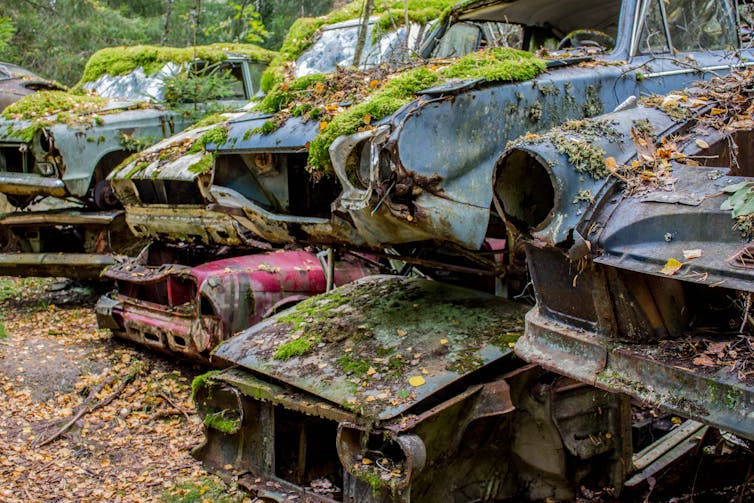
740,203
121,60
7,28
192,87
3,332
217,135
202,489
245,24
46,103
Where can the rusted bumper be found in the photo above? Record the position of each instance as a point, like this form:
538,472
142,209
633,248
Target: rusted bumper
641,371
29,184
151,326
86,266
194,224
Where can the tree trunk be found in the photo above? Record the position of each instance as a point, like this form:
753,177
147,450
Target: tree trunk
166,27
363,30
194,21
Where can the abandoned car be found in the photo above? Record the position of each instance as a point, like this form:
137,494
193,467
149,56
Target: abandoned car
17,82
187,311
184,157
381,159
58,148
637,228
642,263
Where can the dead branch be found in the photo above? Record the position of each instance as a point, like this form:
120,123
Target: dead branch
162,413
175,406
86,407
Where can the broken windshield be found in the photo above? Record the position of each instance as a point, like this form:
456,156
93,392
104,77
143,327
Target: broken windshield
336,46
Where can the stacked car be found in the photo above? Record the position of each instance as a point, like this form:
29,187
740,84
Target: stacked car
536,150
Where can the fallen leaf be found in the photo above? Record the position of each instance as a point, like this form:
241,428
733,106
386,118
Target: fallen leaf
689,254
672,266
611,163
367,119
366,461
416,381
701,143
371,371
704,361
401,333
443,341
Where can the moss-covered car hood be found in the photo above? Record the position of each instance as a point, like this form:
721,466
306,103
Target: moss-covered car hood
382,344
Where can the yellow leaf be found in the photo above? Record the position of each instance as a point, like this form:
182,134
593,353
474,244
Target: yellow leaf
319,88
611,163
323,125
401,333
367,461
701,143
367,119
371,371
671,267
717,111
443,341
371,398
374,83
416,381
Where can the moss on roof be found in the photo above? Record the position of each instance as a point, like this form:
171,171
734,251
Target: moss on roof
46,103
121,60
498,64
301,34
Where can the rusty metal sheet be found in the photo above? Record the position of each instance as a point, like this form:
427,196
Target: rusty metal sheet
714,397
60,217
292,136
642,234
380,345
69,265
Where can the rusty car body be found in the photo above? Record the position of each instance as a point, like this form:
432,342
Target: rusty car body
56,167
187,311
17,82
403,389
396,182
643,279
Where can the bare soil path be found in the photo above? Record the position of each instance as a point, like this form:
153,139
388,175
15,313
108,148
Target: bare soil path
84,417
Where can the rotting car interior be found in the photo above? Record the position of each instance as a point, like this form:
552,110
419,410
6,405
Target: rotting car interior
56,152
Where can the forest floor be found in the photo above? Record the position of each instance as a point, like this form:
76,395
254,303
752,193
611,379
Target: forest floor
87,418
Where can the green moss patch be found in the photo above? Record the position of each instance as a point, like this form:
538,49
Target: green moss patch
121,60
46,103
218,421
201,380
44,108
302,33
349,101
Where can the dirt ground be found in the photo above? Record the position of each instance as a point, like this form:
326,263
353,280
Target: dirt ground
87,418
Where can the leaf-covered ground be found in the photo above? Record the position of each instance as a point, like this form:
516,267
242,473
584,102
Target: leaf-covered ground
136,422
